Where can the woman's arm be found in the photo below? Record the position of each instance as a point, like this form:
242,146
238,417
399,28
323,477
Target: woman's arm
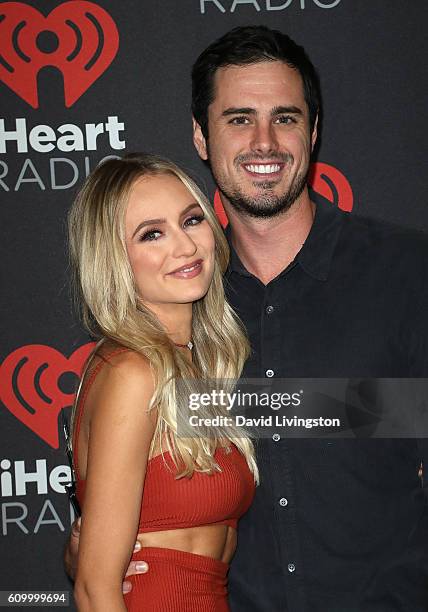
120,434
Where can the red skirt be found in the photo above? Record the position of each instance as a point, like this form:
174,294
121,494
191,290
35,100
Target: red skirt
178,581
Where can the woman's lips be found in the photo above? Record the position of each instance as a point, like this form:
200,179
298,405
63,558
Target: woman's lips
189,271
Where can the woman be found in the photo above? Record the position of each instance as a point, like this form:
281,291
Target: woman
149,254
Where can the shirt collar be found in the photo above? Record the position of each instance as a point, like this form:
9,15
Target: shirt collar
317,251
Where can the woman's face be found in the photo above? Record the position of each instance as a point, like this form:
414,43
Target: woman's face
169,242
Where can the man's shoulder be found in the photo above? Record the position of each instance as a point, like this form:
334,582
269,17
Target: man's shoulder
384,237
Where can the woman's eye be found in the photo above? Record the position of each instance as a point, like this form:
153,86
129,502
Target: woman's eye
150,235
194,220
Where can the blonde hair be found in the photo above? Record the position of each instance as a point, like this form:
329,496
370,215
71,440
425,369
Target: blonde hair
110,306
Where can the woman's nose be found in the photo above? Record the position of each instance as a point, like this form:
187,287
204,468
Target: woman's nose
184,245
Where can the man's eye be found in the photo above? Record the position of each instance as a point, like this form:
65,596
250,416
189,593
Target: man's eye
239,120
194,220
150,235
285,119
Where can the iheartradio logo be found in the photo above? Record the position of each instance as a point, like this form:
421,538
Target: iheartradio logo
326,180
32,386
79,38
329,182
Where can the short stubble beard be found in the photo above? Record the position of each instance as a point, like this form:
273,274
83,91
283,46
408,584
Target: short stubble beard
266,205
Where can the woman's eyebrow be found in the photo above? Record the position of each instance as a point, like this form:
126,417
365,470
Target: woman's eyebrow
148,222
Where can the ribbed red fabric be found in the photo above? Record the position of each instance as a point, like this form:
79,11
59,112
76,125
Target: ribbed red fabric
179,581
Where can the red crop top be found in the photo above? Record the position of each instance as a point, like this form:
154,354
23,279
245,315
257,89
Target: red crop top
204,499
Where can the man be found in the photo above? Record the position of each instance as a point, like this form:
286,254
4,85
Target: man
337,525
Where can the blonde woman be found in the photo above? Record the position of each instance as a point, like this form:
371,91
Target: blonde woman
149,255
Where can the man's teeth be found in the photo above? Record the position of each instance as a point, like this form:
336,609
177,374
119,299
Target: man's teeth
263,168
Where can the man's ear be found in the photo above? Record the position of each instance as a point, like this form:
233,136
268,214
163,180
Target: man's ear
314,134
199,140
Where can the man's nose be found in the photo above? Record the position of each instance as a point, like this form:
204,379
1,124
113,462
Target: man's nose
264,138
183,245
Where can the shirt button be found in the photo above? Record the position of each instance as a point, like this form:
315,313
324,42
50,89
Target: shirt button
291,567
276,437
269,309
283,501
270,373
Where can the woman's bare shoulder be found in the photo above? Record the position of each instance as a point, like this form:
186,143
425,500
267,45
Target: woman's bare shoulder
120,360
119,377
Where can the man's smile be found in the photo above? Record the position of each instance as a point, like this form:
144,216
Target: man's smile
263,170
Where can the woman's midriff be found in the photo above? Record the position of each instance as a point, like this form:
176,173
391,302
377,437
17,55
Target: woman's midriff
215,541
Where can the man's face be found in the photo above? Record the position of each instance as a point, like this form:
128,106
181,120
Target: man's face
259,143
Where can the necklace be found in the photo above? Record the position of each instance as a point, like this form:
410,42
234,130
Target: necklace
189,345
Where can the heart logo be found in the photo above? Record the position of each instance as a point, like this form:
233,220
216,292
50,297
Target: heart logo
79,38
30,386
326,180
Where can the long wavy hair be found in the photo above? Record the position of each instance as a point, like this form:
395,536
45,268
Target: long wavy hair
107,295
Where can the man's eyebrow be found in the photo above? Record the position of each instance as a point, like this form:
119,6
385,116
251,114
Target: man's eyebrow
281,110
238,111
159,221
277,110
